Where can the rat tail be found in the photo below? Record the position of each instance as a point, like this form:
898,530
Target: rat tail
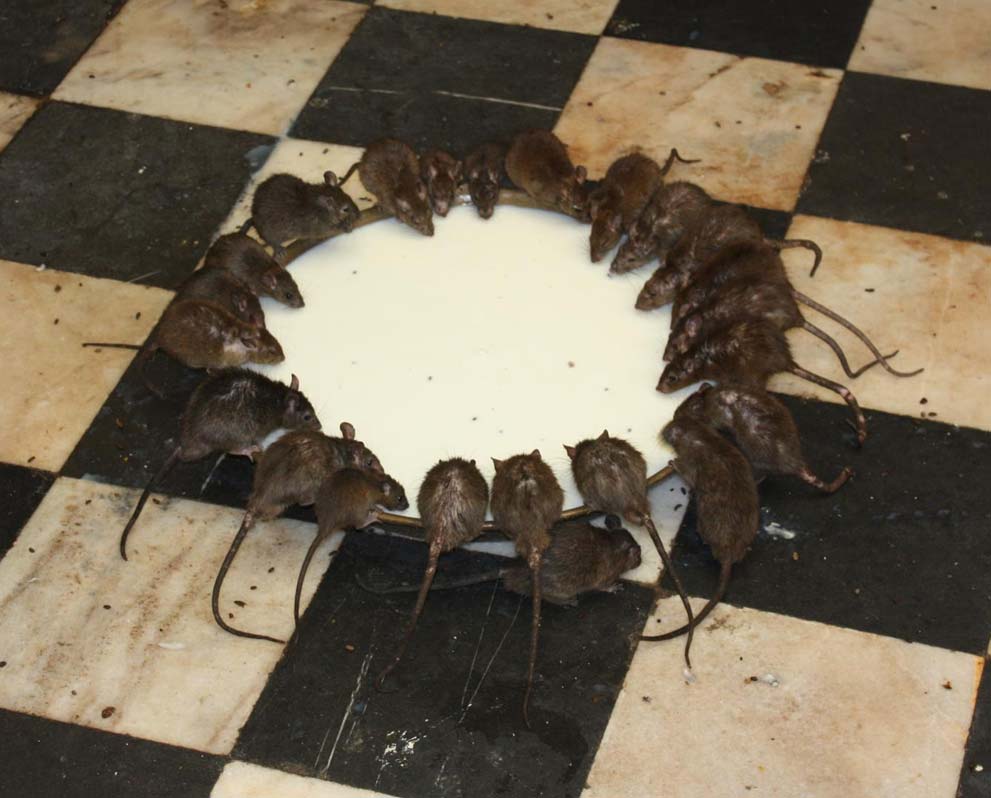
449,584
145,352
246,524
162,472
669,568
673,156
320,538
248,224
136,347
807,476
832,314
535,563
351,170
843,391
421,599
826,338
804,243
724,574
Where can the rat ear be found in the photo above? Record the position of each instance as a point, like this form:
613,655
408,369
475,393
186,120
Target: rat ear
269,280
386,487
571,451
458,170
580,174
330,178
535,453
472,461
497,464
604,435
421,190
347,431
432,170
294,383
693,324
241,303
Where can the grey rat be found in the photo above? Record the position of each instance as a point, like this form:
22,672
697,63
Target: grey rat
538,163
485,167
242,256
225,290
231,411
452,502
526,502
612,478
441,173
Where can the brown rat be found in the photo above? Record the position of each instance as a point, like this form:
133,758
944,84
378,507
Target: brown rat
484,170
762,428
231,411
726,500
612,478
225,290
291,471
581,558
537,162
452,502
441,173
747,353
526,501
348,499
286,208
390,170
242,256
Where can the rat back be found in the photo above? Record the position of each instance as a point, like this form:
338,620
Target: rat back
381,166
611,476
637,177
452,502
224,289
672,209
203,335
760,424
526,501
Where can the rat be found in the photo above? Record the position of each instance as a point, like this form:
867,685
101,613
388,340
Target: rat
484,170
612,478
452,502
231,411
747,353
391,171
348,499
526,502
246,259
727,507
538,163
225,290
202,335
441,173
581,558
290,471
619,199
286,207
761,427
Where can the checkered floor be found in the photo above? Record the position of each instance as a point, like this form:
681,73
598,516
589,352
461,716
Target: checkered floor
848,658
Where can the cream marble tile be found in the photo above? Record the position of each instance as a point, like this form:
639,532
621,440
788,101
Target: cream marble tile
754,123
14,112
579,16
307,160
944,42
242,64
926,296
243,780
833,713
53,387
82,631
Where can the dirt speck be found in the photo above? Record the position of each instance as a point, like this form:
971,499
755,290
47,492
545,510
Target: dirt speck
107,712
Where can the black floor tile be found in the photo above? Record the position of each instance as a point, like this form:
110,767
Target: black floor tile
975,775
775,224
901,550
416,739
40,40
822,34
904,154
21,491
399,73
118,195
46,759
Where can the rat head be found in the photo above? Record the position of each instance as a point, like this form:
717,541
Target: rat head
298,413
694,405
523,469
684,336
627,548
261,346
572,198
393,494
442,174
677,374
484,194
607,227
413,208
659,290
247,308
358,455
280,285
584,446
339,206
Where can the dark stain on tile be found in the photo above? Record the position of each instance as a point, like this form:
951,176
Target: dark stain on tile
21,491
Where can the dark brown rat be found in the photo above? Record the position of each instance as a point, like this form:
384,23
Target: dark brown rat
538,163
727,506
452,502
485,168
390,170
441,173
581,558
286,208
242,256
291,471
348,499
225,290
231,411
526,502
612,478
747,353
762,428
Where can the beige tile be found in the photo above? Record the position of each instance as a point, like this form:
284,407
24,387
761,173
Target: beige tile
580,16
945,42
242,64
833,714
754,123
14,112
53,387
929,297
81,630
242,780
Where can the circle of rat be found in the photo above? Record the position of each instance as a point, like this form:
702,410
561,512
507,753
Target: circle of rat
732,303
